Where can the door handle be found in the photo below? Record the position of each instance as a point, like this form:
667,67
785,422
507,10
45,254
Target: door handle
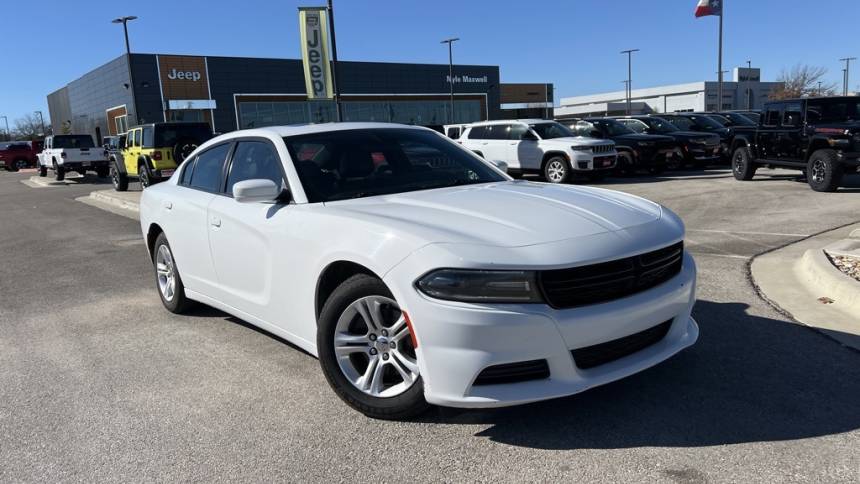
215,221
167,204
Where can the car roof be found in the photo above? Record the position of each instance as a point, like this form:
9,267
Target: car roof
509,121
300,129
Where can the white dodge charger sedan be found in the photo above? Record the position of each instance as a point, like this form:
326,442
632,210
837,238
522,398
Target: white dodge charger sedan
417,272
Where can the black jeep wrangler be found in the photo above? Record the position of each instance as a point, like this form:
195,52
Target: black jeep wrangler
820,136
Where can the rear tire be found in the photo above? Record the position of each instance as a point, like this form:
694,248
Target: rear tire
823,171
380,349
167,279
556,170
625,163
743,166
144,175
118,178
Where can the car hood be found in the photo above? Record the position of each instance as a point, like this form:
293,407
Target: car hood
505,214
638,137
693,135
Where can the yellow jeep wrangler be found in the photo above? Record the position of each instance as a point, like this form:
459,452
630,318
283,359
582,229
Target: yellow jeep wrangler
151,152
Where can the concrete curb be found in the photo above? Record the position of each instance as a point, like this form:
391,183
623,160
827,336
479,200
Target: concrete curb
105,196
855,234
819,276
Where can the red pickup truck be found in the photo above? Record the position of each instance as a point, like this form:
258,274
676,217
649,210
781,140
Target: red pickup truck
15,155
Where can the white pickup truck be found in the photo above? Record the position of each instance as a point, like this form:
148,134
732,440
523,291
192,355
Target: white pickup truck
72,152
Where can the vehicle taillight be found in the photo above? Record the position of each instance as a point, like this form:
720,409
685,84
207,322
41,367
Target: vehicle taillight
156,155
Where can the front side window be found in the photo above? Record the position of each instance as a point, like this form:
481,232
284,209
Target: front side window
208,167
552,130
791,115
635,125
358,163
478,132
255,160
186,173
661,126
517,131
612,127
137,137
771,115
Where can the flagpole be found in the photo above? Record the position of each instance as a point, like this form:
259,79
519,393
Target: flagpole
720,61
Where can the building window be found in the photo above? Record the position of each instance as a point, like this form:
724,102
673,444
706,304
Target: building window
727,105
711,107
121,123
421,112
186,115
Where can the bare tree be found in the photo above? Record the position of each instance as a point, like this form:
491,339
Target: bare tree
803,80
29,127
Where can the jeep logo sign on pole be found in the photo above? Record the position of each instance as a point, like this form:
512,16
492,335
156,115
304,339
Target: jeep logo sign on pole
313,26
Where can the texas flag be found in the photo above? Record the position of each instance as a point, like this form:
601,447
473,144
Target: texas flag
709,7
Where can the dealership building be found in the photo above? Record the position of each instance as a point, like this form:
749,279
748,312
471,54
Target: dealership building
744,91
237,93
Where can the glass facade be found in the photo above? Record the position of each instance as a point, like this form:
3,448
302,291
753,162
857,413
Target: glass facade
421,112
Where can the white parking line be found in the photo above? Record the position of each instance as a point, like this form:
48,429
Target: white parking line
731,232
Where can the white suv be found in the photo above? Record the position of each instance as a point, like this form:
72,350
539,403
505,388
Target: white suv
540,146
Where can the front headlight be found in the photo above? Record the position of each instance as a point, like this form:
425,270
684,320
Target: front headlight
481,286
581,148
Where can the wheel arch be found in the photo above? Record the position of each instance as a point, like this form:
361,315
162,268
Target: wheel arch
332,276
740,141
815,144
152,234
552,154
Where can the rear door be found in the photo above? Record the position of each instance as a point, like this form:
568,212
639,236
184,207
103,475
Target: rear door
790,136
495,146
768,132
186,219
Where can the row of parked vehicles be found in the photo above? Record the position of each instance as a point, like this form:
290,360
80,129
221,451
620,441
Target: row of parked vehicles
148,153
819,136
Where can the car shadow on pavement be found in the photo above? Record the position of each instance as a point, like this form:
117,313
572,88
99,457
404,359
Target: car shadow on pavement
748,379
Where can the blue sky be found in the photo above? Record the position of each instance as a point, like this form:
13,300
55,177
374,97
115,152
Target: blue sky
573,44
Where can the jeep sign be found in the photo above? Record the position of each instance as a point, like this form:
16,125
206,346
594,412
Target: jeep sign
313,27
187,75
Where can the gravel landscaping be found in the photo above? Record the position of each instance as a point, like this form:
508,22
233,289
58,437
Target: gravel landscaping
848,265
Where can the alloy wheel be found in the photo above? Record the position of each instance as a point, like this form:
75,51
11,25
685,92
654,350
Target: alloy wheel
114,177
819,171
21,164
739,162
166,272
555,171
373,346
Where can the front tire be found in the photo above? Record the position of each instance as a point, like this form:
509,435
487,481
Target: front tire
144,176
43,171
167,278
743,167
366,351
823,171
556,170
59,172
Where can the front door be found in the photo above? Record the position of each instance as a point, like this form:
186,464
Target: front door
241,235
527,152
767,136
790,134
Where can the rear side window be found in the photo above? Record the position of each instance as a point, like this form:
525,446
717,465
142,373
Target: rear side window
499,131
453,133
771,115
791,115
208,168
147,136
255,160
478,132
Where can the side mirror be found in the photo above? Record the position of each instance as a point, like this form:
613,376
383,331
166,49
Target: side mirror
529,136
256,190
500,165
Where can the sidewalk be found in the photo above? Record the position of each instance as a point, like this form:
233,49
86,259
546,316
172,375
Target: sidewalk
800,280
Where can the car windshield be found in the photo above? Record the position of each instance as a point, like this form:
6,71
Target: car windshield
552,130
660,126
15,147
833,111
724,121
612,127
339,165
73,141
695,123
169,135
754,117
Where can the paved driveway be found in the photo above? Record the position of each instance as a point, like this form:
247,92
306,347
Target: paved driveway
98,382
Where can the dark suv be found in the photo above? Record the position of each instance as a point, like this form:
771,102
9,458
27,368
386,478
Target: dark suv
636,151
694,147
703,123
820,136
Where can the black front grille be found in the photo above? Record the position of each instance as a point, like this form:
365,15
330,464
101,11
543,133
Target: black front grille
513,372
596,283
603,353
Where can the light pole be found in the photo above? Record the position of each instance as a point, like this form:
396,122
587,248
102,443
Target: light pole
450,43
720,101
124,21
749,91
8,138
41,122
819,88
847,73
336,92
629,53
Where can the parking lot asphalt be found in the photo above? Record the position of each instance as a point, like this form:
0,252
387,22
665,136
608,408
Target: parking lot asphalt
99,383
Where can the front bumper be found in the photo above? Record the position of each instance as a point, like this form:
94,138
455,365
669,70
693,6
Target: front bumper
457,341
593,163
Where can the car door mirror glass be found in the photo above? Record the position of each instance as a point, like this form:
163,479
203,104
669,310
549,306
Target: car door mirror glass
256,190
